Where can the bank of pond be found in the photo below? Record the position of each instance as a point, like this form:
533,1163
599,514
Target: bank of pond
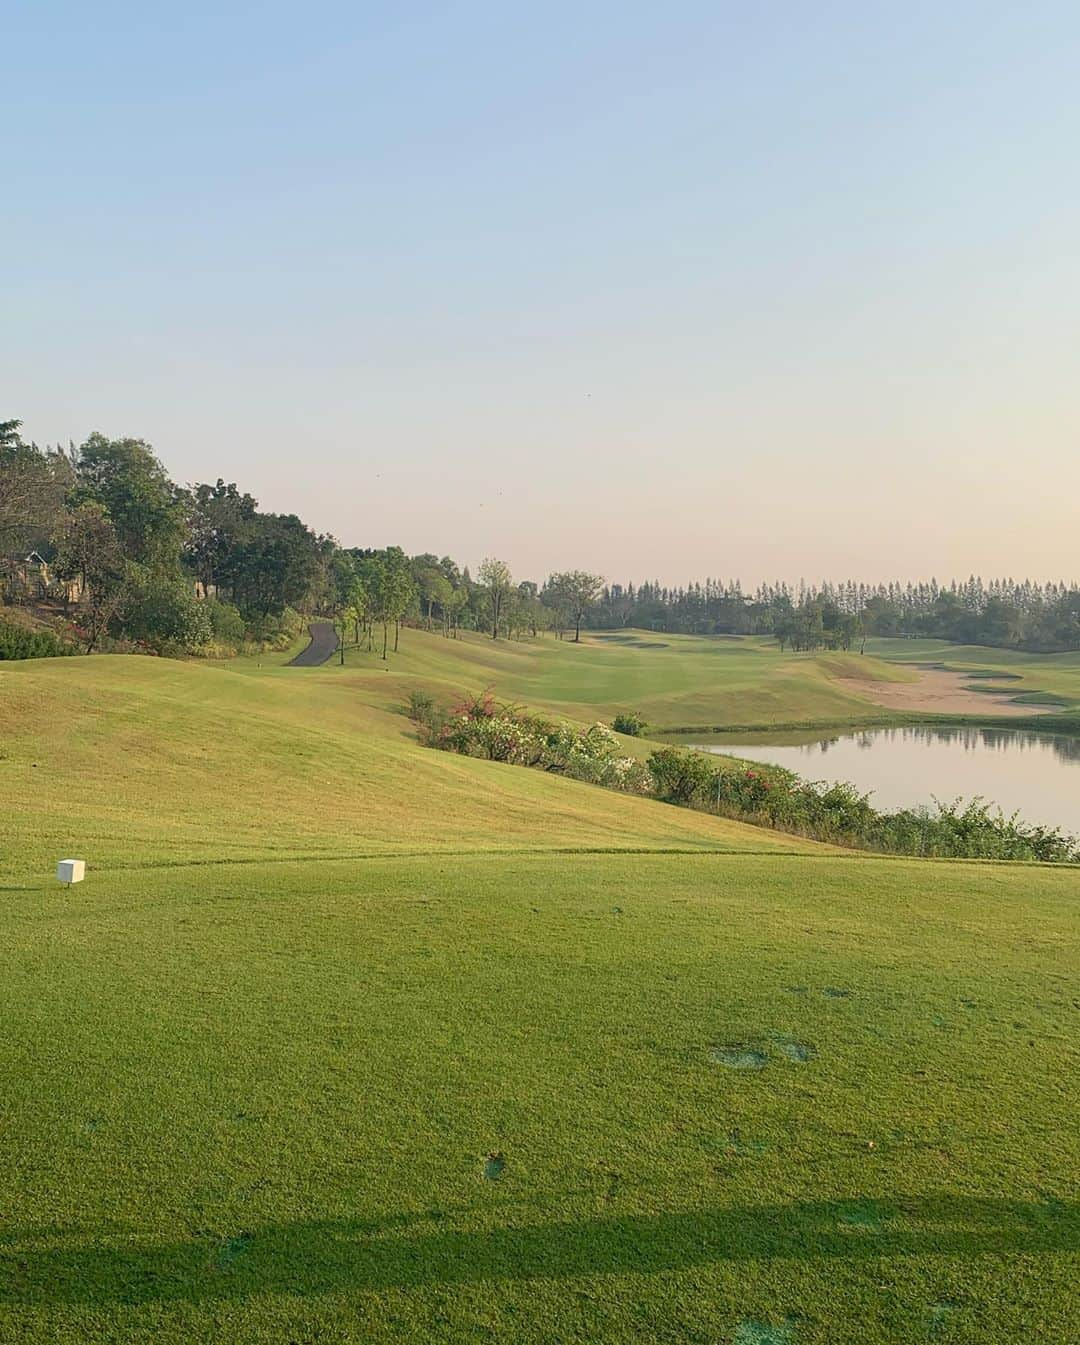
1025,771
765,792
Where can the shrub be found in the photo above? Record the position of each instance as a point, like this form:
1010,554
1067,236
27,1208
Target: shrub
420,706
18,642
163,614
270,633
630,723
478,727
226,623
682,777
839,813
764,795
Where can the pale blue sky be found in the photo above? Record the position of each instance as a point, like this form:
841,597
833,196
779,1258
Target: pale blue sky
659,290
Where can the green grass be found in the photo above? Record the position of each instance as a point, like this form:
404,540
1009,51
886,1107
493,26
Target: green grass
673,680
346,1040
145,762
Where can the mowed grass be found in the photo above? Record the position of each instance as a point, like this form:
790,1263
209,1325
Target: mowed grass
675,681
148,761
257,1103
346,1040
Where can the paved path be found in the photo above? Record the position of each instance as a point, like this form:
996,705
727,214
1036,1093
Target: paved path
324,642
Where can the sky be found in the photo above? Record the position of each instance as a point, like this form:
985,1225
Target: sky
660,291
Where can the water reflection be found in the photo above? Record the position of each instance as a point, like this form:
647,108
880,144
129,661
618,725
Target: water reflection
1020,770
971,739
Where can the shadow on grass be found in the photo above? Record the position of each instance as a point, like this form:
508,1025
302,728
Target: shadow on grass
316,1257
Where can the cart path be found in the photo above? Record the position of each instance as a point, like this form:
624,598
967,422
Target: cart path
324,642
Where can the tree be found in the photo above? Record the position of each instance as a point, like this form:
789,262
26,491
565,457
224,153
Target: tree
555,600
359,606
273,566
496,582
579,590
341,625
434,589
147,511
452,609
33,489
219,518
88,549
161,611
392,591
342,576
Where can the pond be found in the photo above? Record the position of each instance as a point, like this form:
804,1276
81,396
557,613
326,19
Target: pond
1035,774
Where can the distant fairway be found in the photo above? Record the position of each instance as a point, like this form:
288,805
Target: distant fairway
347,1040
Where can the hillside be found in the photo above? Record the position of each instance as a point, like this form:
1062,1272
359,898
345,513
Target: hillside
347,1040
144,761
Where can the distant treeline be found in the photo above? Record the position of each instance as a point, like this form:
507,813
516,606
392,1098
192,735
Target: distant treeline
101,539
1003,612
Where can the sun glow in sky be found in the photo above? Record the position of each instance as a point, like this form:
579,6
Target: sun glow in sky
661,291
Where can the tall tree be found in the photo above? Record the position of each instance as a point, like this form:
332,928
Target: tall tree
89,550
434,589
273,567
360,605
219,518
393,591
452,609
33,489
147,511
497,582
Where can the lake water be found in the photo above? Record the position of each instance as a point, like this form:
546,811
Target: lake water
1035,774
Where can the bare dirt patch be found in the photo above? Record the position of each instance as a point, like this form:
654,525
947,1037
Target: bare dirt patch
939,691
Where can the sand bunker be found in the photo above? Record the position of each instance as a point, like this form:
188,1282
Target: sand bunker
941,692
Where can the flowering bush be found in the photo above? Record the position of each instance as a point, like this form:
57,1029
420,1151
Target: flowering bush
480,728
767,796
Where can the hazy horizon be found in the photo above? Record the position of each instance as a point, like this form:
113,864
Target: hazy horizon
659,294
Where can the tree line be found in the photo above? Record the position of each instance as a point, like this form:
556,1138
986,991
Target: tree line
1004,613
138,561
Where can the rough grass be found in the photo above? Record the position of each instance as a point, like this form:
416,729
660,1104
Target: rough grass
334,1045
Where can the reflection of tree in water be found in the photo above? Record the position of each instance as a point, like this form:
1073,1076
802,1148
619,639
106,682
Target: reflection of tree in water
971,739
1003,740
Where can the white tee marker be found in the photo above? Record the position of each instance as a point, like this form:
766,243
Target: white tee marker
71,871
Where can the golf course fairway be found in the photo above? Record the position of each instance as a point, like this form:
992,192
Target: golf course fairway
344,1039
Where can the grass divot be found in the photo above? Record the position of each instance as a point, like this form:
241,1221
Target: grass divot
751,1332
738,1056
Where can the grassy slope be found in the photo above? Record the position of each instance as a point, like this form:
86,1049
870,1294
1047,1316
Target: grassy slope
673,680
147,761
251,1102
